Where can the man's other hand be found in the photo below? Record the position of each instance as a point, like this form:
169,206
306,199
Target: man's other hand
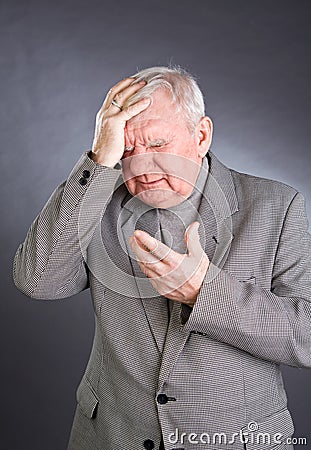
176,276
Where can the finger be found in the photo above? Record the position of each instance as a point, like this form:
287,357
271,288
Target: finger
122,96
156,277
143,255
116,89
122,92
192,239
157,248
147,270
135,109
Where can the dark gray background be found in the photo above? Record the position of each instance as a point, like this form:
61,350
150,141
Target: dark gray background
58,59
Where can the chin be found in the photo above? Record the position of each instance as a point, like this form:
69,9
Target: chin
160,198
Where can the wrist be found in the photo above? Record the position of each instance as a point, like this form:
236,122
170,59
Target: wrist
96,158
100,160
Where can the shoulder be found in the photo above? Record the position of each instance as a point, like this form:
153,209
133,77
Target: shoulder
259,187
256,191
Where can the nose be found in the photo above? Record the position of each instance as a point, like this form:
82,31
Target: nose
142,161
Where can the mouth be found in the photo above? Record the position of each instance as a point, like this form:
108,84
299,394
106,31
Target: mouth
151,183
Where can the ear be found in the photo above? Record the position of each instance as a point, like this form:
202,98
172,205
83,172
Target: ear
204,134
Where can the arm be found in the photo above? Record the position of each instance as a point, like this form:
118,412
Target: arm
271,324
49,264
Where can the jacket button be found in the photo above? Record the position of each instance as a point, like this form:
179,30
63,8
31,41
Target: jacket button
162,399
148,444
83,181
86,173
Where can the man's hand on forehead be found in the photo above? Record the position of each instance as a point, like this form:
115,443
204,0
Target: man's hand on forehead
108,142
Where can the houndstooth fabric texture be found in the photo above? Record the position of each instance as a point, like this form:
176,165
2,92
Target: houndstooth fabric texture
216,366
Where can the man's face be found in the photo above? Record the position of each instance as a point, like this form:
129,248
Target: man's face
162,158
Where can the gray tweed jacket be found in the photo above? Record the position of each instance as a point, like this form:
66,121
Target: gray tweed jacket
208,378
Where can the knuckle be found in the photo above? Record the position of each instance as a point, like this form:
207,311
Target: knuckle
100,113
111,119
131,109
118,97
100,120
126,112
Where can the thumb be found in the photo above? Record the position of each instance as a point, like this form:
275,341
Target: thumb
192,239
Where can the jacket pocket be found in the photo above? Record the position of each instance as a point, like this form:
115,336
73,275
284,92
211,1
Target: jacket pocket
270,433
87,398
251,280
242,275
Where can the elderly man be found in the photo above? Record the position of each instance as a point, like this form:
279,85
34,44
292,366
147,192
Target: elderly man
200,279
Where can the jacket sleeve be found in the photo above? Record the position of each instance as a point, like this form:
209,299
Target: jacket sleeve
49,264
272,324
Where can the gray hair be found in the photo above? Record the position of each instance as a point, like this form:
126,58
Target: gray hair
185,92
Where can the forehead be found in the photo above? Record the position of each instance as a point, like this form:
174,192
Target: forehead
151,128
161,111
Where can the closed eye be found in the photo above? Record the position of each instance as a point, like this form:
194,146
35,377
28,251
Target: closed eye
158,143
